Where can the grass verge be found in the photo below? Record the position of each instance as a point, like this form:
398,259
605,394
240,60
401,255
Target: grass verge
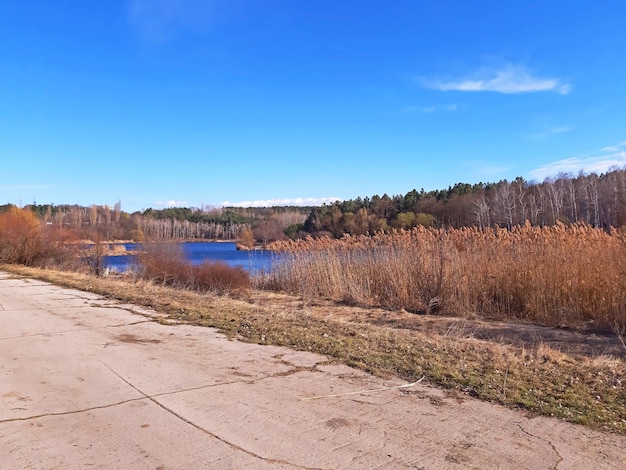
537,378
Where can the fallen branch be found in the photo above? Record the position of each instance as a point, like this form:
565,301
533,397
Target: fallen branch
620,332
363,391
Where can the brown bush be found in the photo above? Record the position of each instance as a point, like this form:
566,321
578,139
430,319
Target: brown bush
219,277
60,248
162,263
165,263
25,240
20,237
246,240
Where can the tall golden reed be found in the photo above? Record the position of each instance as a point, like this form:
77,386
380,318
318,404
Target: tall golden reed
559,275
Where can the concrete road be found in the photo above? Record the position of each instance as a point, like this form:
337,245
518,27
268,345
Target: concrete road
88,383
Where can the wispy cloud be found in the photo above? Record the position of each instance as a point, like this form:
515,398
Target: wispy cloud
160,20
559,130
171,203
299,201
432,108
511,79
608,158
544,134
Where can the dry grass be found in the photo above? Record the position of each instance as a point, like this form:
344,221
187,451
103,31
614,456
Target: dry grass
533,376
562,276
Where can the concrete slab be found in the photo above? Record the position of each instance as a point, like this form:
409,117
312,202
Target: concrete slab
89,385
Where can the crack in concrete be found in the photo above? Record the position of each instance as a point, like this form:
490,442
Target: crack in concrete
71,412
249,381
110,405
116,306
75,330
345,444
558,454
294,370
206,431
200,387
154,316
50,309
23,286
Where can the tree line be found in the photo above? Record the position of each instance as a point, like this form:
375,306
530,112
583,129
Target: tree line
597,200
112,223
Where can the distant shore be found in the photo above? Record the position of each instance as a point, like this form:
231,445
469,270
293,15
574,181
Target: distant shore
118,247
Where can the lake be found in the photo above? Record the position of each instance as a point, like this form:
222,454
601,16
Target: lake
198,252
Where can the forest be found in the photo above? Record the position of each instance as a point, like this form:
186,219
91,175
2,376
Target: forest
179,223
596,200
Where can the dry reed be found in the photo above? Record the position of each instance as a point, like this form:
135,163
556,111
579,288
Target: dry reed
560,275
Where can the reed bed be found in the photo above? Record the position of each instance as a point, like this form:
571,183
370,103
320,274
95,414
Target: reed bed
570,276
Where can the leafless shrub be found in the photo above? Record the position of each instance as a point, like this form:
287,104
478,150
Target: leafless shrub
24,239
165,263
161,262
93,252
60,248
20,237
219,277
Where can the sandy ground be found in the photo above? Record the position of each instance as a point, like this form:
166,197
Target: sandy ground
88,383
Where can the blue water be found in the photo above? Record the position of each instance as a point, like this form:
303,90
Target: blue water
198,252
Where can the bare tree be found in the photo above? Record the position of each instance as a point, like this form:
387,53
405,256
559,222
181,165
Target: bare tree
505,203
93,215
481,211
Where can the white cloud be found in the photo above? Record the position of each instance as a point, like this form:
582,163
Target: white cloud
511,79
309,201
609,158
171,203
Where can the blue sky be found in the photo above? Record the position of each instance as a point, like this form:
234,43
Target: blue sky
188,102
